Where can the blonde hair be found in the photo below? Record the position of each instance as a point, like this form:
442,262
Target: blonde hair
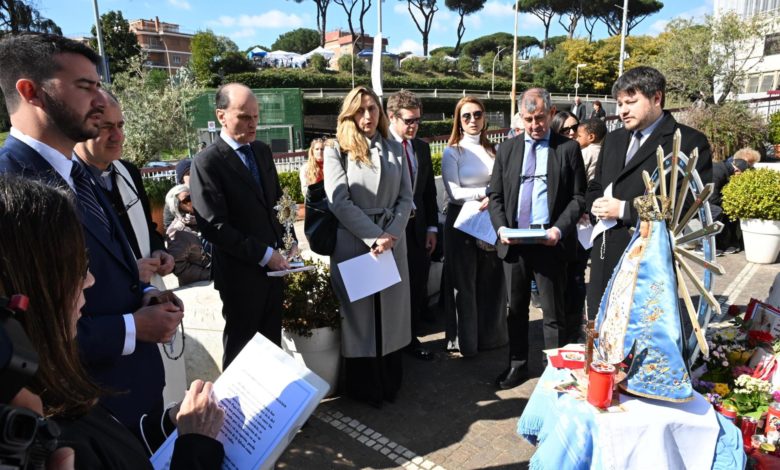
313,170
749,155
350,138
457,130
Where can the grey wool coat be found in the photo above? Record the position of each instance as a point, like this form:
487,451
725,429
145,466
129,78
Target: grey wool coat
368,201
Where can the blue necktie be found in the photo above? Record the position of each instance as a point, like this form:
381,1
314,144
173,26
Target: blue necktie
636,142
85,193
249,160
527,188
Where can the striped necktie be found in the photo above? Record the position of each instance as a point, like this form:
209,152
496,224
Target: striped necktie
85,193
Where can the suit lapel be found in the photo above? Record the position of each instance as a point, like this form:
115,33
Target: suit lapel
553,174
234,162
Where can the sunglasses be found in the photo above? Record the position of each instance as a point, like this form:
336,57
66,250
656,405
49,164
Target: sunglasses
566,130
467,116
411,121
185,200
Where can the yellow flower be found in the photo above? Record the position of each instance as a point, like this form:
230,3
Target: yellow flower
721,389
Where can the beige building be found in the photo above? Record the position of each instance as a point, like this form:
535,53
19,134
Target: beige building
165,46
343,43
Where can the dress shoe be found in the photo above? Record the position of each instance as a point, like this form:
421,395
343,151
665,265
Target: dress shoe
512,377
419,352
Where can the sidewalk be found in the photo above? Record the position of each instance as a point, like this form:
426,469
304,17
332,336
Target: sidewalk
448,414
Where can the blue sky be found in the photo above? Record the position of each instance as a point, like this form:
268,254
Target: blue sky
262,21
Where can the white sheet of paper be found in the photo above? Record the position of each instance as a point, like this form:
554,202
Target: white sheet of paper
475,222
603,225
368,274
584,232
267,396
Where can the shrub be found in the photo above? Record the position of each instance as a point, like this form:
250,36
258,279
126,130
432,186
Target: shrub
318,63
753,194
157,188
434,128
774,128
728,127
292,181
345,65
309,302
415,65
436,161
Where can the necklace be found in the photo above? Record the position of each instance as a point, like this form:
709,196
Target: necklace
169,345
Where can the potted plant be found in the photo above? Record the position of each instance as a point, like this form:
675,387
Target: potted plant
774,131
310,322
753,197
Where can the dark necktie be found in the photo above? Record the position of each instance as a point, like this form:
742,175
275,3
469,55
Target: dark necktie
636,142
85,193
527,188
405,143
249,160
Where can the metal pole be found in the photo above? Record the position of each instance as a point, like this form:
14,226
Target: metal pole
513,94
101,49
623,32
577,83
493,72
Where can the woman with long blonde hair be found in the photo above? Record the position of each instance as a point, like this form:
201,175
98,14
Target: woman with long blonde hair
370,193
311,171
471,266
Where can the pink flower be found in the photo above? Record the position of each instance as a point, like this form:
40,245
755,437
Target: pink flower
776,395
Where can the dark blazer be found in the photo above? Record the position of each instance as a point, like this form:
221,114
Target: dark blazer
427,212
565,190
234,215
117,291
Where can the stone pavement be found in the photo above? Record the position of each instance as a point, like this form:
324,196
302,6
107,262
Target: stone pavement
448,414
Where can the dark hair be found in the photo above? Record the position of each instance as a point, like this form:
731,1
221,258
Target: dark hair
560,119
596,102
457,130
403,99
595,126
643,79
43,256
31,56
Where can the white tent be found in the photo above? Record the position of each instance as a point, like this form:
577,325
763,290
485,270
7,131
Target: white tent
321,51
282,55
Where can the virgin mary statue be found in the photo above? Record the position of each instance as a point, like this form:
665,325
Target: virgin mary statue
639,321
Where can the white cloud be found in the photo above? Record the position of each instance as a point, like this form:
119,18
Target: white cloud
401,8
497,9
411,45
658,27
242,33
273,19
181,4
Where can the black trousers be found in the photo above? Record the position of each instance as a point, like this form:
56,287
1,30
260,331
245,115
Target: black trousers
574,300
250,312
547,267
419,265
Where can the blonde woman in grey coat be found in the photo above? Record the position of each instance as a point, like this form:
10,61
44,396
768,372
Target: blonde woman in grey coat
370,193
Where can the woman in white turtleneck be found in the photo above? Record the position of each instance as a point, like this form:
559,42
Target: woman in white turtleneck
478,319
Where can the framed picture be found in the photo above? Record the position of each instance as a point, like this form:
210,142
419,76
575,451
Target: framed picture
764,317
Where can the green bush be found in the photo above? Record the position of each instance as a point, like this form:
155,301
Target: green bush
728,127
346,64
309,302
753,194
292,181
434,128
157,188
436,161
318,63
415,65
774,128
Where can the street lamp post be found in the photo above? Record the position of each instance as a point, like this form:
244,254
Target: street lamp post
493,72
577,80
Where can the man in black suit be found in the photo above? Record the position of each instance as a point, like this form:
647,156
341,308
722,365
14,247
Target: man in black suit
122,184
404,110
578,109
234,190
52,91
538,182
626,152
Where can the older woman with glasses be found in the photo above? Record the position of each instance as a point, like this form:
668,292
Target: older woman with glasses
192,262
311,171
477,321
370,193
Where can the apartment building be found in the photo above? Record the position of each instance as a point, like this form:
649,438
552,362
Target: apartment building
165,46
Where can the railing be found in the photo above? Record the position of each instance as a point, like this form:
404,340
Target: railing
437,93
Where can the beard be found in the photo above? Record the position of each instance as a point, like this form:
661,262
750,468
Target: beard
75,127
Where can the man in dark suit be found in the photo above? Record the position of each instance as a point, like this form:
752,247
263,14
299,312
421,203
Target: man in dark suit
234,190
52,91
122,184
538,182
626,152
578,109
404,109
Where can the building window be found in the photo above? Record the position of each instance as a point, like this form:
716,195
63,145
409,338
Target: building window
176,60
766,83
752,84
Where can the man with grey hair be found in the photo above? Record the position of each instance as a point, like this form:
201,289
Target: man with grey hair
404,109
625,154
538,182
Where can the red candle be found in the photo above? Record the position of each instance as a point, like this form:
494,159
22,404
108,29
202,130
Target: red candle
601,380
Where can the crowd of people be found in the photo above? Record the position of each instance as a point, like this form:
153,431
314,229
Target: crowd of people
86,252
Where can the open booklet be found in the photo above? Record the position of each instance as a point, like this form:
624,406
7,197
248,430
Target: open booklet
267,396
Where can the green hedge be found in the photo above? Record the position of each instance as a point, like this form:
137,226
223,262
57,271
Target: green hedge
432,128
292,181
157,188
436,161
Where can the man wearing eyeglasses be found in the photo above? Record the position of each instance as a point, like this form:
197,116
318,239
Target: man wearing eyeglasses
538,182
121,183
403,109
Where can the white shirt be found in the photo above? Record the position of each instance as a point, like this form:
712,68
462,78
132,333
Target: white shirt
63,165
466,170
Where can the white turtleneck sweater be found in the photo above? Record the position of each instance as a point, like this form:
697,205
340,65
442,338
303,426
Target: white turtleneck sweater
466,170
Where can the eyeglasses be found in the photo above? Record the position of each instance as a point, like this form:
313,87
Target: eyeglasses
467,116
572,128
411,121
185,200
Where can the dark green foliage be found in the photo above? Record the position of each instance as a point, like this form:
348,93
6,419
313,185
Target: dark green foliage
435,128
443,51
292,181
233,62
490,43
318,63
346,63
388,65
119,42
415,65
774,128
17,16
301,40
753,194
309,302
157,188
729,127
436,161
